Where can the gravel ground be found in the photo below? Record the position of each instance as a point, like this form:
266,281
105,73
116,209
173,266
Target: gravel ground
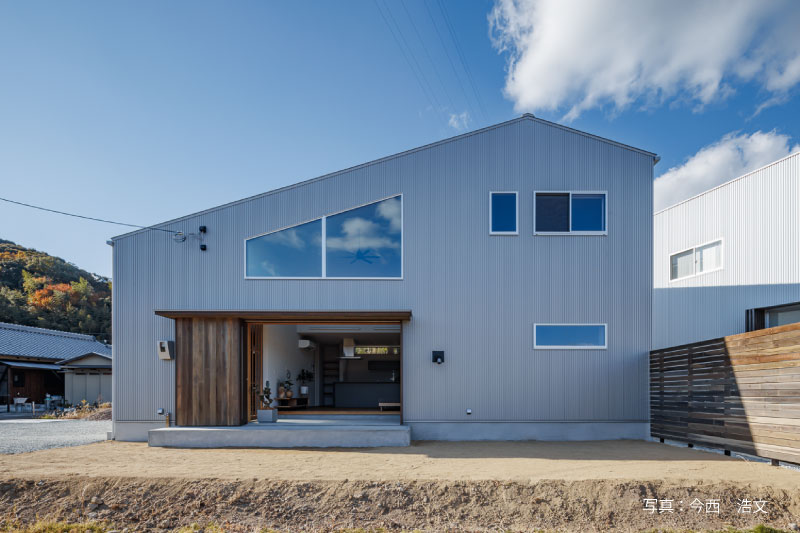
19,436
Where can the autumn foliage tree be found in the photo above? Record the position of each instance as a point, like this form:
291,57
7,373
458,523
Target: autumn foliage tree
37,289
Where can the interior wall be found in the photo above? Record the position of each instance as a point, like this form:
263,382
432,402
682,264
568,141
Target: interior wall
281,353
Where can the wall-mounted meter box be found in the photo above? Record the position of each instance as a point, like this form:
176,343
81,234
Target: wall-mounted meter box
166,350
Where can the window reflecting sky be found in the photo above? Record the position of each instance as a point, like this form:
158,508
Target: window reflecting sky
504,211
293,252
570,335
366,242
588,212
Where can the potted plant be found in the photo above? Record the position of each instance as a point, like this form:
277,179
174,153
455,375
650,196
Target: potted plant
304,377
267,414
287,384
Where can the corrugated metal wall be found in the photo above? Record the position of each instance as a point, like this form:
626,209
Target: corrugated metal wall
473,295
758,218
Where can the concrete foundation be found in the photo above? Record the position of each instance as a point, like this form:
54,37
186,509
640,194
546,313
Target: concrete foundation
299,432
553,431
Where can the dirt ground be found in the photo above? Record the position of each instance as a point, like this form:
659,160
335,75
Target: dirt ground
437,486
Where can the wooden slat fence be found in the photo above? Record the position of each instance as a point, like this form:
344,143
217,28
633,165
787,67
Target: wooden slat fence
739,393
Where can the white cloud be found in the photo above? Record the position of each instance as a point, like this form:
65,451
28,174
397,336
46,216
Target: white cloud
391,210
724,160
361,234
574,55
459,121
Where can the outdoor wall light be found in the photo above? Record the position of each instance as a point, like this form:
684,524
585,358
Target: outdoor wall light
203,247
438,357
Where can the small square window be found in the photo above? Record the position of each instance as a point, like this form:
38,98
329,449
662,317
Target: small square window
503,213
588,212
552,212
681,265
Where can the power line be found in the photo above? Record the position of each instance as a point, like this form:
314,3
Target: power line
461,57
428,55
449,58
426,90
85,217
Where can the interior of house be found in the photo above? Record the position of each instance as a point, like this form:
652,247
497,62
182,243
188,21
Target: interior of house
330,368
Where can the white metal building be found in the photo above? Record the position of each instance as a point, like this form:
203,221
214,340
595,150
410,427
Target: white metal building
728,260
519,255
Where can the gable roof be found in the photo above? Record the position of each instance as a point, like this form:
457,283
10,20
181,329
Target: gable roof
525,117
27,341
84,356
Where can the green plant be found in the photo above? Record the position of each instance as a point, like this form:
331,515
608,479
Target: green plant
266,394
287,383
305,376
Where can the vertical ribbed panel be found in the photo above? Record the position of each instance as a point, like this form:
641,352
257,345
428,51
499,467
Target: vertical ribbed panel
473,295
758,218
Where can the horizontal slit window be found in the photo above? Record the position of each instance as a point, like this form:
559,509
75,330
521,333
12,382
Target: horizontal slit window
569,336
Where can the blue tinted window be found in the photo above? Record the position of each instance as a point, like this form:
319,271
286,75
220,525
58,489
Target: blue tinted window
504,212
290,253
365,242
588,212
570,335
552,212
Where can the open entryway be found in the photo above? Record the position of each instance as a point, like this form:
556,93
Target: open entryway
335,379
325,371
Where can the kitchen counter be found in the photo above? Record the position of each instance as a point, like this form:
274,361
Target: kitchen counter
365,394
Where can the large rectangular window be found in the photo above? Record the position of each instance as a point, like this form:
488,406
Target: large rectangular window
569,336
363,242
503,213
578,213
698,260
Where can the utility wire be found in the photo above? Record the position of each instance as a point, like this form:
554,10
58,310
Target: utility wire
449,59
428,55
460,53
85,217
426,90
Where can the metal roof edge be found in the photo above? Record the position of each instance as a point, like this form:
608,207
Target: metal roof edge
525,116
78,357
725,184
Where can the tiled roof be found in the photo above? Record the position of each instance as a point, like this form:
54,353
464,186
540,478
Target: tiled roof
28,341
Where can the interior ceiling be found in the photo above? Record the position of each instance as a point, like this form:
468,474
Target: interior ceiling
361,339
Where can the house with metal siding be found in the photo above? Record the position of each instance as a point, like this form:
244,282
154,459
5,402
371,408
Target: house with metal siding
494,285
727,261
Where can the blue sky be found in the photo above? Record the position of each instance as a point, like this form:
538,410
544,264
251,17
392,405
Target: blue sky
143,111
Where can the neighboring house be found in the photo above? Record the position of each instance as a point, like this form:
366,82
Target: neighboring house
87,378
518,255
30,360
728,260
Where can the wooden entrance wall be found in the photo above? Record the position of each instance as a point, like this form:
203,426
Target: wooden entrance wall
255,368
210,376
740,393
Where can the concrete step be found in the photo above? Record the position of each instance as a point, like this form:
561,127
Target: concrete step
282,435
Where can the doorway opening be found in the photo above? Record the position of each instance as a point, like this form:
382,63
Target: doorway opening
316,370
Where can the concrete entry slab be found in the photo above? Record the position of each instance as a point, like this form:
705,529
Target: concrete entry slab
309,432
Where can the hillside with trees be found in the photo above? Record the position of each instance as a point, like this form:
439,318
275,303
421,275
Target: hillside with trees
37,289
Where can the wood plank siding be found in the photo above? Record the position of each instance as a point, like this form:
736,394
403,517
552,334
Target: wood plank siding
740,393
209,372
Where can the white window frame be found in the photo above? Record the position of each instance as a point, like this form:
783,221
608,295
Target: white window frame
695,273
571,347
570,232
324,220
516,207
